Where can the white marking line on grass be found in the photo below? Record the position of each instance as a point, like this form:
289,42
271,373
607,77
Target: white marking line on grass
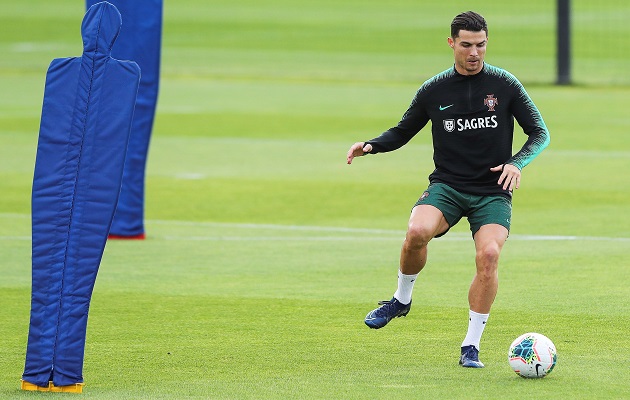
398,233
277,238
190,176
306,228
14,215
451,237
370,234
15,238
591,153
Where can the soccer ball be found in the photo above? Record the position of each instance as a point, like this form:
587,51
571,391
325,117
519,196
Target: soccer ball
532,355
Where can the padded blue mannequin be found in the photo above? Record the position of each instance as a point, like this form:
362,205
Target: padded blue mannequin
86,119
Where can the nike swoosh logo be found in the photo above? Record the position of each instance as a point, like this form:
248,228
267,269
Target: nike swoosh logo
444,108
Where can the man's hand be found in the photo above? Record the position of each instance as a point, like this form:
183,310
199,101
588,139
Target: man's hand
510,176
357,150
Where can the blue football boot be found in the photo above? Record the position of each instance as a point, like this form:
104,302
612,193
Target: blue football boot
388,310
470,357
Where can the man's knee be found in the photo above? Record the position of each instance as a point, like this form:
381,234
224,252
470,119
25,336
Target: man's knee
489,241
418,234
426,222
487,257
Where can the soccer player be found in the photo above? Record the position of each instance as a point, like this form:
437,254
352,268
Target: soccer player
472,107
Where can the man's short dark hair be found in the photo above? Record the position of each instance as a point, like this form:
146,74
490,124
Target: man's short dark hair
468,21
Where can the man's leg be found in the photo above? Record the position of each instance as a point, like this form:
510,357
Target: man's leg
489,241
424,224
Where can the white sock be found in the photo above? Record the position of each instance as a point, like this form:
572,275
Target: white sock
405,287
476,325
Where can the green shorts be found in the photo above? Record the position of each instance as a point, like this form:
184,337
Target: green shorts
480,210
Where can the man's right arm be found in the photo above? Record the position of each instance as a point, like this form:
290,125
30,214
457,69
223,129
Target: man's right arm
414,119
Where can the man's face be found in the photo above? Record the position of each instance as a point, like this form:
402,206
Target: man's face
469,49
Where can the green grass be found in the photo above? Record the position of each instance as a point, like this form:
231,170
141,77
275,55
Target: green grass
265,250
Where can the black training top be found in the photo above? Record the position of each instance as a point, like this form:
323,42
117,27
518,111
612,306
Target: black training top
473,127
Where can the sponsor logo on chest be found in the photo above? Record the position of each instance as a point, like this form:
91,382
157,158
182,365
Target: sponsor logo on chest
465,124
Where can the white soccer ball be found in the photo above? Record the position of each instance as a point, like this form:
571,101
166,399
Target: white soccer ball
532,355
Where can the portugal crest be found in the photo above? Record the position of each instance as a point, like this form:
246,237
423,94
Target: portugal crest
491,102
449,125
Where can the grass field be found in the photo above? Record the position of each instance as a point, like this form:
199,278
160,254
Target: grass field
265,250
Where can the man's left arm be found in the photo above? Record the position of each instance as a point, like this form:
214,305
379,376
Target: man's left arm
529,118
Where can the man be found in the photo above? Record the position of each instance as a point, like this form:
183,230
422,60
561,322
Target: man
472,108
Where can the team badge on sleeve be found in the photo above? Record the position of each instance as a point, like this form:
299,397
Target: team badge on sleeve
491,102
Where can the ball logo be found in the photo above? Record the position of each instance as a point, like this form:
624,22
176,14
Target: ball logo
449,125
491,102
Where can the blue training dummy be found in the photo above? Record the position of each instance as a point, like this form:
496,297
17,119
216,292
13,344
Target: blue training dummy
140,40
85,125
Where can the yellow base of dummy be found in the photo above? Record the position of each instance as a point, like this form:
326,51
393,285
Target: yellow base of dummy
76,388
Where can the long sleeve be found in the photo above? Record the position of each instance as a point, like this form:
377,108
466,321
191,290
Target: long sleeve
528,117
414,119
